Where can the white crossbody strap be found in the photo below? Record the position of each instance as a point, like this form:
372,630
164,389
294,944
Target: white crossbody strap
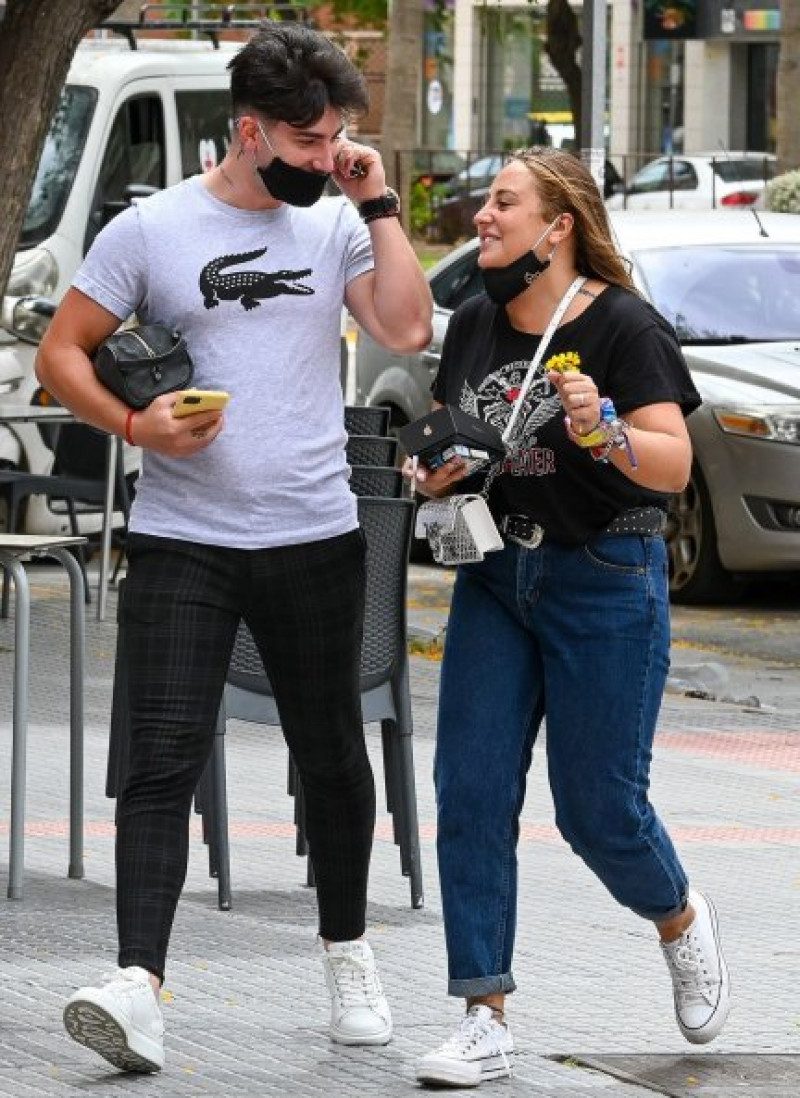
549,332
555,320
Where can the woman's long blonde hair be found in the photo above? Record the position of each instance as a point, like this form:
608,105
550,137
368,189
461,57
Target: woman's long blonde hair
565,185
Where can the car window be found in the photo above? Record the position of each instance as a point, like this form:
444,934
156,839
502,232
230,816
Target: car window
61,155
204,121
684,177
486,166
479,173
658,176
725,293
458,282
135,153
653,177
740,171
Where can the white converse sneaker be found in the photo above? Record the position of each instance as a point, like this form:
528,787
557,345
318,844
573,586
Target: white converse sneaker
120,1020
700,980
360,1014
481,1048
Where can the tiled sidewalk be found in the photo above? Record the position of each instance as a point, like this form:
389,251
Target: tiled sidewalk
245,1004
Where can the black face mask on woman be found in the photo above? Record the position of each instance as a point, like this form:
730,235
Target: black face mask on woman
295,186
503,284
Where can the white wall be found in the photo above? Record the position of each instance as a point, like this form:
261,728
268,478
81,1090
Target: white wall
624,44
466,42
707,96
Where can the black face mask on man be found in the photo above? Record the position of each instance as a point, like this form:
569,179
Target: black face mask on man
287,183
503,284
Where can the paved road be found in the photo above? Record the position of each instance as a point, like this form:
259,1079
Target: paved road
749,652
245,1006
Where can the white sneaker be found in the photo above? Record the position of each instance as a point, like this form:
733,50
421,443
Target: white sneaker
120,1020
700,980
360,1014
481,1048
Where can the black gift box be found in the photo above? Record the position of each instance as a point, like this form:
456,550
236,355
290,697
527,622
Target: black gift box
450,432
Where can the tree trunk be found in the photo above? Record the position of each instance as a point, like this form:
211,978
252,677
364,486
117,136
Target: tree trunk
37,44
403,77
788,88
563,43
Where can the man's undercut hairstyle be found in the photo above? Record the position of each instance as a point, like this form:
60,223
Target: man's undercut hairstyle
290,73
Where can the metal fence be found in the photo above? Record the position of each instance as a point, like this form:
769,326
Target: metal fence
444,188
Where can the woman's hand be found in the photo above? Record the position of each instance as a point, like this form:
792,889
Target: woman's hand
155,428
438,482
580,399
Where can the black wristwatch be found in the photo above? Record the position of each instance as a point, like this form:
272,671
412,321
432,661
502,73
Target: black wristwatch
388,205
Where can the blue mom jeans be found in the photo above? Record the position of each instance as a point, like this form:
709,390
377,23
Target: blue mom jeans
579,636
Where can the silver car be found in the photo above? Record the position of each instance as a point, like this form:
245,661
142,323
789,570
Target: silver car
730,284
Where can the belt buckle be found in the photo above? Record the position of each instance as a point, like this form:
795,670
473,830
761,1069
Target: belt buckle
533,540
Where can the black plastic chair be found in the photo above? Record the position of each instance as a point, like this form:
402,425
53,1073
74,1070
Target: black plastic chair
371,450
362,419
385,697
376,480
78,478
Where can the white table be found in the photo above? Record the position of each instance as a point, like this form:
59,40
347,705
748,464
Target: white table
14,549
33,413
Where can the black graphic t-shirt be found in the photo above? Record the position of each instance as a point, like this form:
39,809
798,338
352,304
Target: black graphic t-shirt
622,343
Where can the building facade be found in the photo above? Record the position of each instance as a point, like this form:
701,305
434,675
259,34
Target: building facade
683,75
703,80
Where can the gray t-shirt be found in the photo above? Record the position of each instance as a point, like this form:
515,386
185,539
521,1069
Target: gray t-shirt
258,296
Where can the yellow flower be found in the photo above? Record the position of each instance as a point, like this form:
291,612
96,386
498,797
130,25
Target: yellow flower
566,361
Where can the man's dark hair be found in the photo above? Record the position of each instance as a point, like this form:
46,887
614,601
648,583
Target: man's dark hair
290,73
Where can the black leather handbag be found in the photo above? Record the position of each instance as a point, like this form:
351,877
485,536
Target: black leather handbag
139,364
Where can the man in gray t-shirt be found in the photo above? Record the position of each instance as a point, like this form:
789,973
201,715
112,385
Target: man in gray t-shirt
246,514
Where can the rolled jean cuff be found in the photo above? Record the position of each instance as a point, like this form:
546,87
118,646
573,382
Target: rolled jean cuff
482,985
664,916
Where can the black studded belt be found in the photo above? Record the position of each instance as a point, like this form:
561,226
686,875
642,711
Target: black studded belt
647,521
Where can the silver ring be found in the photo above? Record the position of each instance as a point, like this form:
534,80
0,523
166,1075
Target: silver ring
580,405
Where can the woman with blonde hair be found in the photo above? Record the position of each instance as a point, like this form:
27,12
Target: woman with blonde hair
569,621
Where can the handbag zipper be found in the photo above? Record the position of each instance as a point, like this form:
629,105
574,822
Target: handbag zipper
155,370
150,352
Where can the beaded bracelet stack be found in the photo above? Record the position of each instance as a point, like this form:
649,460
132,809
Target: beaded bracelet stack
610,433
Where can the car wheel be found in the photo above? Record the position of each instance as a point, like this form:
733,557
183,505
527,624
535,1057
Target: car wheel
696,574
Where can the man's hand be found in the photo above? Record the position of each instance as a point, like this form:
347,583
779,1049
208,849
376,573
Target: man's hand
359,172
155,428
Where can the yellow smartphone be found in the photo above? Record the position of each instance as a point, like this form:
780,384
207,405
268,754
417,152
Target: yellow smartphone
191,401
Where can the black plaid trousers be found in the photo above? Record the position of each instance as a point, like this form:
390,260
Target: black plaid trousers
304,605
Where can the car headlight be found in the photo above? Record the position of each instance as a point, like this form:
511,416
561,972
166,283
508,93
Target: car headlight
30,317
34,273
780,423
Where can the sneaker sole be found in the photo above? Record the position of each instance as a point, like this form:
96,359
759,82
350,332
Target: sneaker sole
446,1074
383,1037
704,1035
96,1029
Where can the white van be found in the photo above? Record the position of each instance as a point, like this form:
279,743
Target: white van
129,121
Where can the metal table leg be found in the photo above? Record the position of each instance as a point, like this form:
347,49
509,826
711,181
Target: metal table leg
19,744
108,526
77,648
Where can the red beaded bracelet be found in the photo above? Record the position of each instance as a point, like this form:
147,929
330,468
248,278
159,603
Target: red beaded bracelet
128,425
